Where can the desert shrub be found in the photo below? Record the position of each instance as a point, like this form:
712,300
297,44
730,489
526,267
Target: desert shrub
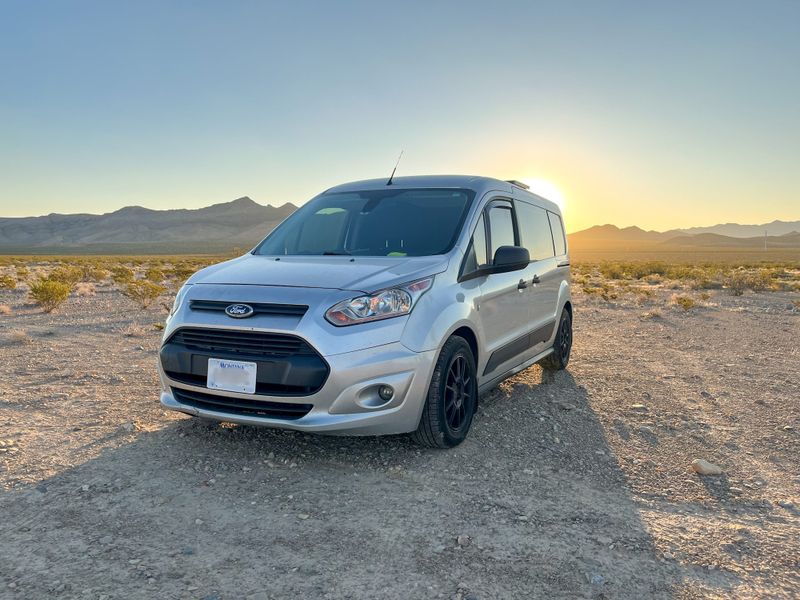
705,296
182,271
122,274
144,293
685,302
49,294
68,275
154,274
22,273
94,273
612,270
7,282
739,280
605,291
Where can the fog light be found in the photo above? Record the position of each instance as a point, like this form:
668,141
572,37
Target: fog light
386,392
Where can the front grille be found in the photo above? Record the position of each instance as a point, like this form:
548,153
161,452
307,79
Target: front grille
286,365
259,308
249,343
239,406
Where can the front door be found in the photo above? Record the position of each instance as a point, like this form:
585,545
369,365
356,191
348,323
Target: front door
503,310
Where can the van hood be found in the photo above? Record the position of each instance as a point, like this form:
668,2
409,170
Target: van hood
328,272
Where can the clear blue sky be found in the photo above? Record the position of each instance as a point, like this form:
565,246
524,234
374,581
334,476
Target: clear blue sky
656,114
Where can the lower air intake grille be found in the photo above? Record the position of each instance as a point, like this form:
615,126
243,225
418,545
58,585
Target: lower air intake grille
239,406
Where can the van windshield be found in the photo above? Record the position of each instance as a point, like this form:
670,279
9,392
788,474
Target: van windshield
392,222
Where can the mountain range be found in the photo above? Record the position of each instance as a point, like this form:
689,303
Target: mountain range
218,228
779,234
241,223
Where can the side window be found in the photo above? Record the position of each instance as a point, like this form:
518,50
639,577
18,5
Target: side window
501,228
534,228
558,233
476,254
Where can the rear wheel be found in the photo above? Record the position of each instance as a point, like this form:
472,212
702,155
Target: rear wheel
452,397
562,345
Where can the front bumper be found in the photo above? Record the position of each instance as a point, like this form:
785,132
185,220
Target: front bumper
348,402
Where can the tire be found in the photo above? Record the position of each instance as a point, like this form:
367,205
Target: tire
452,397
562,346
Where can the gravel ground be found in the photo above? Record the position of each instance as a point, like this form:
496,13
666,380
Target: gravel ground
578,486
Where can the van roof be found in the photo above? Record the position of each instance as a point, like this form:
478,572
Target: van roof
480,185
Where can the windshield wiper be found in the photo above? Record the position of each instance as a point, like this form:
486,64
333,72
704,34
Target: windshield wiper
332,253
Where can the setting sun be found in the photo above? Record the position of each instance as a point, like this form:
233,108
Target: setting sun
546,189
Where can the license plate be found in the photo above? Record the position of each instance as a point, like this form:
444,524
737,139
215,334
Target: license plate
231,375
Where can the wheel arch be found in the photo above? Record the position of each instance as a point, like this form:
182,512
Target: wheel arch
466,332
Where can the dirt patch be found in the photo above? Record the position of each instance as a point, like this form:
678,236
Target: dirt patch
576,486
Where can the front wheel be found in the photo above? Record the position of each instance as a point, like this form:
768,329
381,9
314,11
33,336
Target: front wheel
562,346
452,397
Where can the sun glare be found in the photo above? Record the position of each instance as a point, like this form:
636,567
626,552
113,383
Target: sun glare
546,189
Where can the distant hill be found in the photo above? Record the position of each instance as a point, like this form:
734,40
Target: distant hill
221,227
775,228
713,240
610,237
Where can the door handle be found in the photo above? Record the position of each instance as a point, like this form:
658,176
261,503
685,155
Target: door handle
522,284
536,279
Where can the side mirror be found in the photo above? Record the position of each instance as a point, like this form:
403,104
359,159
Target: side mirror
510,258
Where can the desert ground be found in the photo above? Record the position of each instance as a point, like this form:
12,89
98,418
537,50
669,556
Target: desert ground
576,485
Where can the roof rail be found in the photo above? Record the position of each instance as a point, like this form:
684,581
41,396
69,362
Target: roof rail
519,184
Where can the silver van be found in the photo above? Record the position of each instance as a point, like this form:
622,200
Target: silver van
378,307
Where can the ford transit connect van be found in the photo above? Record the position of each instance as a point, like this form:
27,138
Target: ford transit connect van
376,308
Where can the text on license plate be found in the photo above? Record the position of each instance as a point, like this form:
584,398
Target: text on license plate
232,375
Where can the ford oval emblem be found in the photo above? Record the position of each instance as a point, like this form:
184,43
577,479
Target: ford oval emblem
239,311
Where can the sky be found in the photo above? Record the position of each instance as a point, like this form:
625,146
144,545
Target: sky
659,115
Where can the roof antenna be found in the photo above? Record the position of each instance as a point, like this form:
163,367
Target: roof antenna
395,168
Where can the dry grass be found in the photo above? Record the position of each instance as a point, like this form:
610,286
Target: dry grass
85,288
736,279
134,330
19,337
651,314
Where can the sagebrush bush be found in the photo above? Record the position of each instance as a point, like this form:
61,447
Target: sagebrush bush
68,275
50,294
122,274
685,302
22,273
154,274
144,293
7,282
93,273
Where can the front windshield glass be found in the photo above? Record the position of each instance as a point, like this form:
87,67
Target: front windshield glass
392,222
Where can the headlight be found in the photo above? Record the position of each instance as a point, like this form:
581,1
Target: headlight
179,298
385,304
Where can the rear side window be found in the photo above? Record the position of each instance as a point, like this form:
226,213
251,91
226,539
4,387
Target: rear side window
501,228
559,238
534,229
